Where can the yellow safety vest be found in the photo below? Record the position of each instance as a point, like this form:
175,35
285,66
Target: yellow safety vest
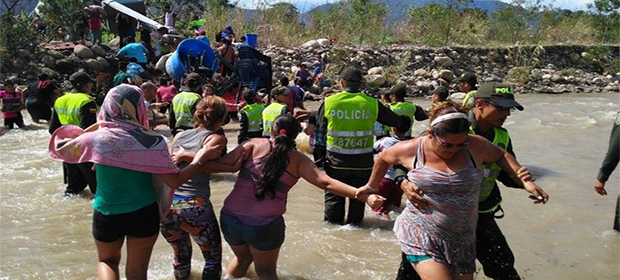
270,114
404,109
254,112
68,107
490,171
351,118
183,105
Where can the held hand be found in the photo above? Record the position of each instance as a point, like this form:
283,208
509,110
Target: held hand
414,195
524,175
366,189
179,155
599,187
375,201
537,193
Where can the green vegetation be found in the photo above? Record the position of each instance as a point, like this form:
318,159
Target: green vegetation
356,21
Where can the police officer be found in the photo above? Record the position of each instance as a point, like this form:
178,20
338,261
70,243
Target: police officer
467,84
346,120
184,104
250,118
404,108
493,103
76,108
281,96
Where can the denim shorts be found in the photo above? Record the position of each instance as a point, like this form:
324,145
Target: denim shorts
263,238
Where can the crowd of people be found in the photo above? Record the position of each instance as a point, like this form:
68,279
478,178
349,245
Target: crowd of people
363,149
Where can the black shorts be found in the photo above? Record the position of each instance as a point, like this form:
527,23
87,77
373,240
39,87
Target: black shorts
38,110
140,223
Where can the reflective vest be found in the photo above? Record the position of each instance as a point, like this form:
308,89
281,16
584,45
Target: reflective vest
468,100
404,109
269,115
490,171
254,112
68,107
183,105
350,121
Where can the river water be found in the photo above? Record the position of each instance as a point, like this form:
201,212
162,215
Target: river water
561,138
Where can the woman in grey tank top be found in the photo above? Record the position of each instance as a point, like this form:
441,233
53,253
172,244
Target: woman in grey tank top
191,213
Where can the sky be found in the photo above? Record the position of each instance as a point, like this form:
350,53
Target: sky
305,5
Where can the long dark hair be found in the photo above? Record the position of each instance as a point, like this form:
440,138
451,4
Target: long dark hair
283,132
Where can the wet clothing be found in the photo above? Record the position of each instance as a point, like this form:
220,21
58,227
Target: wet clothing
354,168
193,218
445,231
242,202
263,238
39,100
192,215
492,250
610,162
76,176
140,223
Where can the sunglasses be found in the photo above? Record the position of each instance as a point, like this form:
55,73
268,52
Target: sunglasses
448,146
501,108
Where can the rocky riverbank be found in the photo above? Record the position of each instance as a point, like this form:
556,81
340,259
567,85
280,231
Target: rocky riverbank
530,69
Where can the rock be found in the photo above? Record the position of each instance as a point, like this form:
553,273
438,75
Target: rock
443,61
611,87
64,66
51,73
424,87
586,55
474,59
446,75
420,72
23,53
557,78
363,55
98,50
324,42
55,54
83,52
375,71
375,80
418,58
546,77
93,64
536,74
286,63
104,62
312,44
48,60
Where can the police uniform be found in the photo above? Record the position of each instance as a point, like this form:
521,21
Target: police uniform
79,109
250,122
347,120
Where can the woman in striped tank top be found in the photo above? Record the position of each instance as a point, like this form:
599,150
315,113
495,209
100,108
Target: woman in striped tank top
439,241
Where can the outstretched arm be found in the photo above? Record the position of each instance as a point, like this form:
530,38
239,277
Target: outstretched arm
306,169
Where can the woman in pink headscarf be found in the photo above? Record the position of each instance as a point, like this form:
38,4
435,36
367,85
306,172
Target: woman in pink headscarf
130,160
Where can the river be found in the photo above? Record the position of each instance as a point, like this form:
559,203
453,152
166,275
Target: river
561,138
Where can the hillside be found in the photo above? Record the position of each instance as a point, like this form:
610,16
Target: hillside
397,8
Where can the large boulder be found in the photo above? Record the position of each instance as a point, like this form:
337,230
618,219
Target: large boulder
48,60
443,61
375,80
324,42
312,44
98,50
375,71
94,64
64,66
83,52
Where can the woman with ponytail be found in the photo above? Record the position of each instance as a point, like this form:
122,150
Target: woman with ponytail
251,217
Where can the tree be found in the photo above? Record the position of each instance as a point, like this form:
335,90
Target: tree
66,14
607,20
